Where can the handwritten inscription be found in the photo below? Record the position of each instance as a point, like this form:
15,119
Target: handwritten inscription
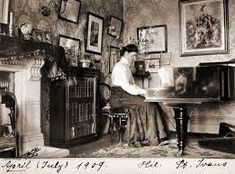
56,165
17,166
86,165
182,164
149,164
96,166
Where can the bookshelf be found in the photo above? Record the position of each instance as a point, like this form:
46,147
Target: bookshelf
73,107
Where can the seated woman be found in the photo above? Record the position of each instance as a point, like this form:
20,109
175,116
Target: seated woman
145,124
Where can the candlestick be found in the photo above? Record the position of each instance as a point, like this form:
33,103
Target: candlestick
11,19
11,24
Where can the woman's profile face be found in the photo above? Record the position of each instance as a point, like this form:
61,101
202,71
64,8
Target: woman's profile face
131,56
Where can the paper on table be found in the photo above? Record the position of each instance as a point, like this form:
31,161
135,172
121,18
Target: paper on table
166,76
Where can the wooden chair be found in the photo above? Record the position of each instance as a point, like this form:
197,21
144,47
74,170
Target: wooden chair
117,116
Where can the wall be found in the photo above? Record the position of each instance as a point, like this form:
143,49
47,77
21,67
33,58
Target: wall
28,11
138,13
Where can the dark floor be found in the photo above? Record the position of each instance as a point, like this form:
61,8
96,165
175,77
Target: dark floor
104,148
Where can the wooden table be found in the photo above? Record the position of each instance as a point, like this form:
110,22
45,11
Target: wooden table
180,107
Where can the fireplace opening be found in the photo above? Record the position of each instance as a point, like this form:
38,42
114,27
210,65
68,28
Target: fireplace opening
8,135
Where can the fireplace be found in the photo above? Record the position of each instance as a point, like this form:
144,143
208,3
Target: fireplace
25,70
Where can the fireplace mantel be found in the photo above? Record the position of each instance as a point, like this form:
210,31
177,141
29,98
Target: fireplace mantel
25,59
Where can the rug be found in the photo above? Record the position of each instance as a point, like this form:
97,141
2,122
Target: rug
192,150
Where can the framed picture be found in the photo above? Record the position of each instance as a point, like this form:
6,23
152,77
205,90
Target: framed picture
69,10
114,57
115,27
94,39
72,49
203,27
152,39
42,36
38,35
140,67
152,65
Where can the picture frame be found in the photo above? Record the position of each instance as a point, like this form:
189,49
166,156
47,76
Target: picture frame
94,41
152,65
42,36
140,67
203,27
72,48
38,35
70,10
152,39
114,57
115,28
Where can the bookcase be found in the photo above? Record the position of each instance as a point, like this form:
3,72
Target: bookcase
74,107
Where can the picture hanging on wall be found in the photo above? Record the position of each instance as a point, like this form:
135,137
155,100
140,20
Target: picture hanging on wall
204,27
152,65
152,39
114,57
94,39
72,49
69,10
115,27
42,36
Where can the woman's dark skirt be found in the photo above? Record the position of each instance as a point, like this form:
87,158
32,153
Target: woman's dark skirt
145,120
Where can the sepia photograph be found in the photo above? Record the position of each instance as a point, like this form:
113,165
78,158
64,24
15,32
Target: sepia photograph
76,98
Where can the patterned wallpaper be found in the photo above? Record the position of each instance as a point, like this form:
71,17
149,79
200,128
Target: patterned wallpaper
29,11
158,12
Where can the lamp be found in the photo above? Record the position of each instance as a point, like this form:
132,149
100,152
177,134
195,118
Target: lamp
46,10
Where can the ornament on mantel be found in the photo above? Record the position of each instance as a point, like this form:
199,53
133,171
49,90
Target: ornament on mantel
26,30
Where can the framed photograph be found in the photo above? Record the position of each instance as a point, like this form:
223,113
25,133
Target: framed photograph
72,49
114,57
203,27
42,36
38,35
69,10
152,65
115,28
94,39
152,39
140,67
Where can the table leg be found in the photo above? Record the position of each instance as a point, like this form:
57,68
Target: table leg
181,119
111,127
120,131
